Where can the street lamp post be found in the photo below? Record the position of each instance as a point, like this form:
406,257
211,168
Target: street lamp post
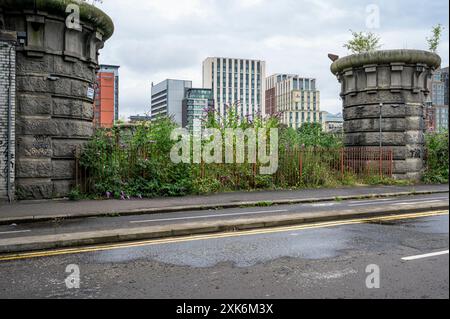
381,141
381,128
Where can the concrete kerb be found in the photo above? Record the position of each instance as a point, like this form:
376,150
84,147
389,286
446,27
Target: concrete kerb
36,243
159,210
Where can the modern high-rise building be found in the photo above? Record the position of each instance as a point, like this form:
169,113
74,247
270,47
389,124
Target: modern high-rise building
295,99
440,92
445,77
196,104
106,105
238,82
441,114
271,92
438,84
167,99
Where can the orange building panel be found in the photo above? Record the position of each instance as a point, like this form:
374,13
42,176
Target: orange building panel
105,107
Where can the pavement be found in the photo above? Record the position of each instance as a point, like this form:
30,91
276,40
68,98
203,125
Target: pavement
67,233
32,211
321,261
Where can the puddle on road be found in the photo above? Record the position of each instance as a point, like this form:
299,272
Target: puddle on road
430,225
246,251
243,251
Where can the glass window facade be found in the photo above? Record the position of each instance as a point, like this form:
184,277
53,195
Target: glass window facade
196,104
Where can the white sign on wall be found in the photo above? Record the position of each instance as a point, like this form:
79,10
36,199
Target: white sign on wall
90,93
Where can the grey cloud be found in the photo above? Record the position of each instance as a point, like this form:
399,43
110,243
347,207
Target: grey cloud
156,39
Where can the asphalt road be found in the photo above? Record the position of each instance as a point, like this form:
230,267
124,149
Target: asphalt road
316,262
105,223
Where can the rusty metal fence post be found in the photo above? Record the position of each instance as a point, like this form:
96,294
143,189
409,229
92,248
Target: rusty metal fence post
77,165
391,163
202,169
381,163
300,159
254,168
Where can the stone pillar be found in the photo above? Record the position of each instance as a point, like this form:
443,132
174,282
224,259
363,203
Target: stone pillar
56,65
400,80
7,113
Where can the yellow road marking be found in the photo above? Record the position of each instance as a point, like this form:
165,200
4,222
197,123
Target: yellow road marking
152,242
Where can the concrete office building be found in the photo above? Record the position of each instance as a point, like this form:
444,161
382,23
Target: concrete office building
167,99
438,87
295,99
441,117
196,104
271,92
445,78
440,91
106,107
238,82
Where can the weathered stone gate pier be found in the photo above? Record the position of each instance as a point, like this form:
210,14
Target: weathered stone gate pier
54,68
383,94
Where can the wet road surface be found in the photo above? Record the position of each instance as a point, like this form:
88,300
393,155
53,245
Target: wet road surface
322,262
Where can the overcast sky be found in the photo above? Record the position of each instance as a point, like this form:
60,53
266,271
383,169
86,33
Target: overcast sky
159,39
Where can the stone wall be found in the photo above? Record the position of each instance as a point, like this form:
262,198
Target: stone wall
56,68
401,81
7,92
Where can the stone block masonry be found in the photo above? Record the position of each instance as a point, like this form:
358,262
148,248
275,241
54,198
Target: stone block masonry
393,84
55,73
7,113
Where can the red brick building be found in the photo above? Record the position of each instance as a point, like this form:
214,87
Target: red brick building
430,119
271,102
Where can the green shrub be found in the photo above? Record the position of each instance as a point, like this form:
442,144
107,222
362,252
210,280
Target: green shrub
206,186
437,165
75,194
136,162
309,135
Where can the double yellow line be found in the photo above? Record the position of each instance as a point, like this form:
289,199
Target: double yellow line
152,242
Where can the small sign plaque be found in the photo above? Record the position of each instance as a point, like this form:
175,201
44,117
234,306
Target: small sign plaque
90,93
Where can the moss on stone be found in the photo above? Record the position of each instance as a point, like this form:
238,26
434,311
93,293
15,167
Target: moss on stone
88,13
386,57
